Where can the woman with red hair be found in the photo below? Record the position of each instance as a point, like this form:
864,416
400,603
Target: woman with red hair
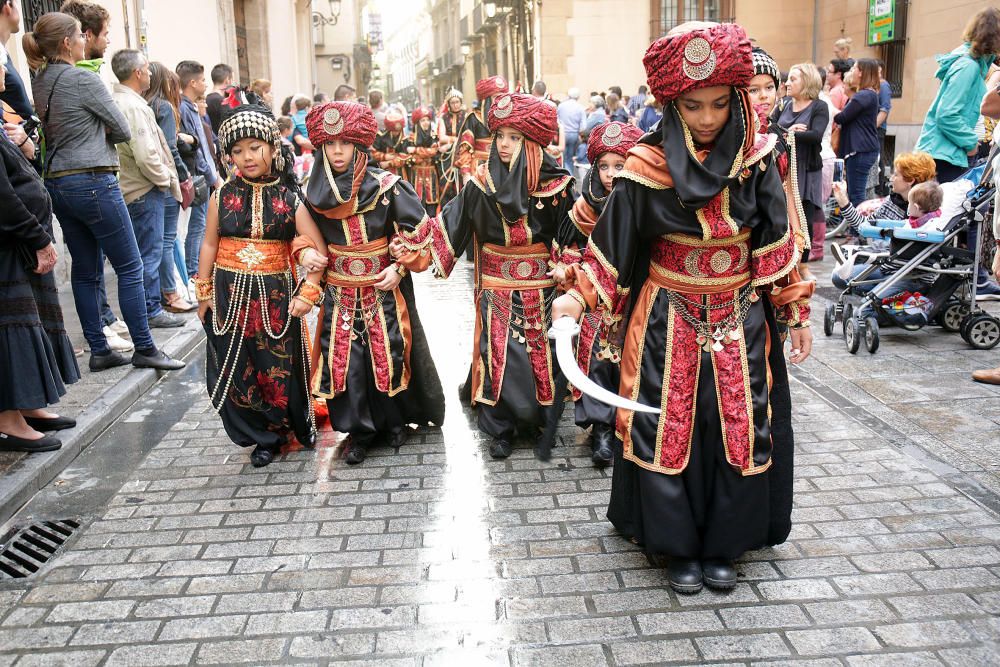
696,252
371,360
510,212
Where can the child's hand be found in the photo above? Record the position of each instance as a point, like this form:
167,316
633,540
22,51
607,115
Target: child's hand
396,248
299,308
312,260
840,193
388,279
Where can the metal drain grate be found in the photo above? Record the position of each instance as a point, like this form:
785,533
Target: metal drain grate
27,549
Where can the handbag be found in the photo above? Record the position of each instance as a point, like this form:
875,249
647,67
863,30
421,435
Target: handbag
187,193
200,190
835,138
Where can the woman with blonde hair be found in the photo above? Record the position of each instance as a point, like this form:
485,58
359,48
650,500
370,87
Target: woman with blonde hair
262,89
806,117
842,48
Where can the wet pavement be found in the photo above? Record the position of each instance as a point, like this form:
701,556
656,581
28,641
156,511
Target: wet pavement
437,555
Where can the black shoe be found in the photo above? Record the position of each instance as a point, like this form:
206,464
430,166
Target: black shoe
50,423
500,448
164,320
602,436
261,456
102,362
684,575
158,360
397,439
719,573
12,443
357,450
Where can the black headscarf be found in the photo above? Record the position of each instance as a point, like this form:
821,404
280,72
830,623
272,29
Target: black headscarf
696,182
593,191
424,138
357,182
508,188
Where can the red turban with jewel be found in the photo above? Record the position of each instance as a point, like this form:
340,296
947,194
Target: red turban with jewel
394,120
613,137
698,55
347,121
420,113
491,86
533,117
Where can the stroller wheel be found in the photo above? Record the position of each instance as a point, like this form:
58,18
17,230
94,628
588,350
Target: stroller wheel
847,314
871,334
951,318
829,319
963,330
852,334
983,331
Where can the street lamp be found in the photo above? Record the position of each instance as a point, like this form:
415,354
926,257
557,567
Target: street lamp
491,9
318,18
466,49
436,71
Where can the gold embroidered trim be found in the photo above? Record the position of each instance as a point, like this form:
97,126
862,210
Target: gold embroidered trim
640,179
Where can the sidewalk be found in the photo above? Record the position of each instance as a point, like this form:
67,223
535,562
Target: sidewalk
96,401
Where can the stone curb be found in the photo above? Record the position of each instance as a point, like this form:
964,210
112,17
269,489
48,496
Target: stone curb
37,470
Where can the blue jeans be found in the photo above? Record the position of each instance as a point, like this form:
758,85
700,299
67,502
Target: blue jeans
94,218
857,167
108,316
171,209
146,213
195,235
569,152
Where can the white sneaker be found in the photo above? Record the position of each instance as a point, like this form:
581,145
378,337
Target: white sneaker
116,328
116,342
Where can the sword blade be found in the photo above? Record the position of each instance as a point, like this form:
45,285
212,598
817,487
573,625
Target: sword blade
562,331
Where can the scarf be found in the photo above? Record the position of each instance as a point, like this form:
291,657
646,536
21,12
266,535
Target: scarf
918,222
700,175
588,208
338,196
422,138
510,189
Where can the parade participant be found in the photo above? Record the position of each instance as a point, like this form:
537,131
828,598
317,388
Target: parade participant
373,363
511,211
694,233
423,169
449,125
389,149
248,302
598,356
475,137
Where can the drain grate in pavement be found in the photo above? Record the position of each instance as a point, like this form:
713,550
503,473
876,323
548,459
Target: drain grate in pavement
25,550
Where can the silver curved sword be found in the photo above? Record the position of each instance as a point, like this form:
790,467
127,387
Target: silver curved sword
562,332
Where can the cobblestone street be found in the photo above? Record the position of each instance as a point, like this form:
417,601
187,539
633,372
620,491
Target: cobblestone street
437,555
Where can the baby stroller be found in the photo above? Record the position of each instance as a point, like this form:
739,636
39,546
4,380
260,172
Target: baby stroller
939,278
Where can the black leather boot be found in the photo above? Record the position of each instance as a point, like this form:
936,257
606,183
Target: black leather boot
719,573
684,575
357,450
261,456
500,448
602,437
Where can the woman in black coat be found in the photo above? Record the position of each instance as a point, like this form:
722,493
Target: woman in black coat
34,347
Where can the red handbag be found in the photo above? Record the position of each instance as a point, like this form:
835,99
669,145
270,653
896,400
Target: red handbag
187,193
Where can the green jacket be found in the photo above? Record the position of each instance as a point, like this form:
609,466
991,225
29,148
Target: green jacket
949,130
91,65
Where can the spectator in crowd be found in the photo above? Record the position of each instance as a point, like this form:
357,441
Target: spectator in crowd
882,121
222,80
164,99
637,104
200,163
539,90
15,93
94,21
261,88
806,117
344,93
571,118
615,109
300,134
376,100
827,154
835,72
82,125
596,114
320,98
651,114
34,347
615,90
842,50
286,106
949,130
858,135
147,175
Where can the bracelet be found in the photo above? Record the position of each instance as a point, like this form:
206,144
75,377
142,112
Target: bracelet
400,269
26,138
310,292
304,300
204,289
801,325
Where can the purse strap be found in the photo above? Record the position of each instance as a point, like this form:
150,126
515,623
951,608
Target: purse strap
45,122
